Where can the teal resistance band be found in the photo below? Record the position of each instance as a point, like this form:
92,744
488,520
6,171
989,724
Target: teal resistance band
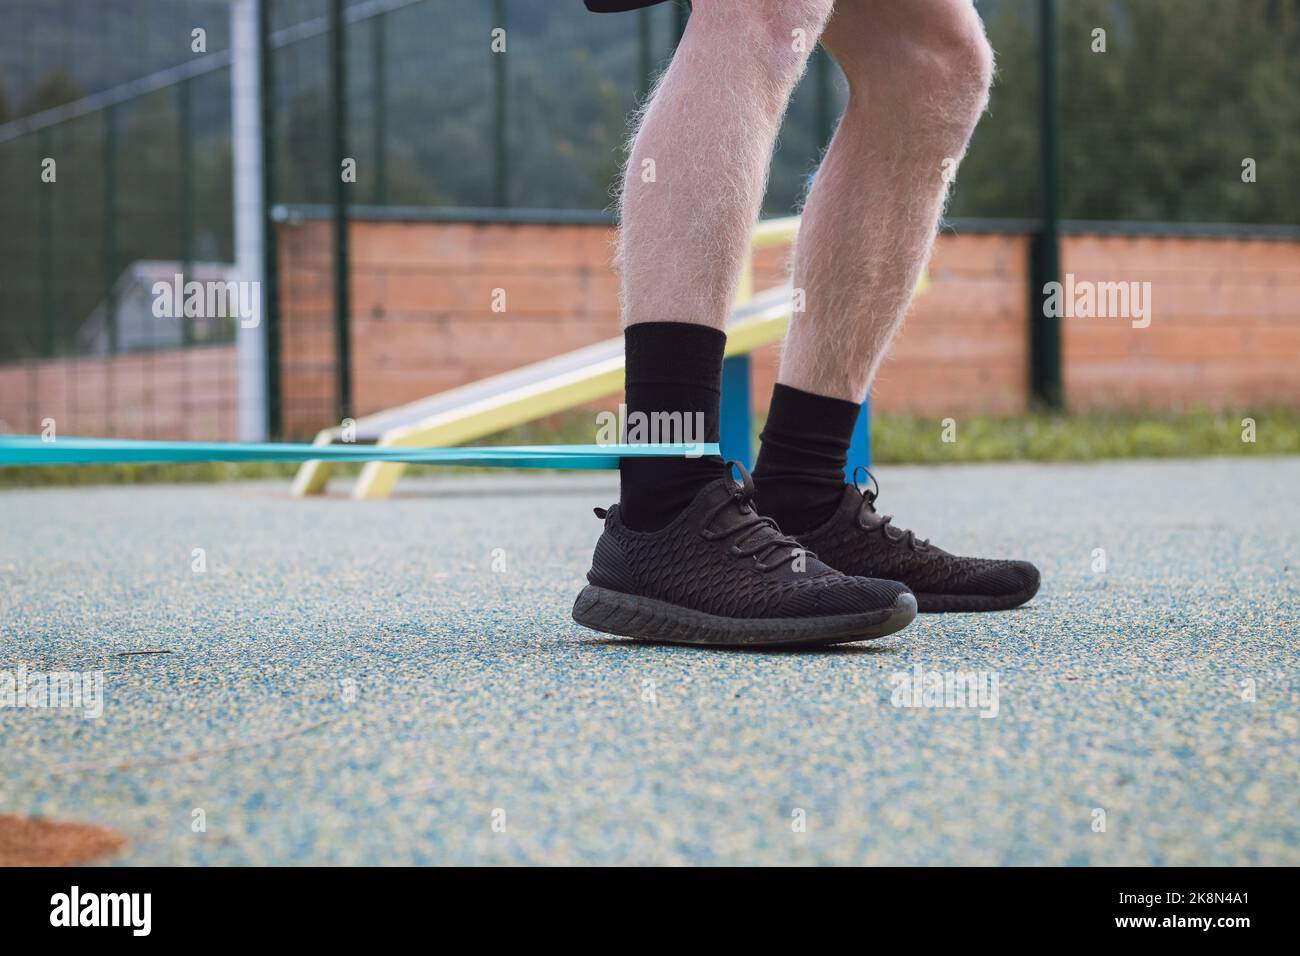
34,450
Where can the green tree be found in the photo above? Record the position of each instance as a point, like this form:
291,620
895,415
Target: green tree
1157,126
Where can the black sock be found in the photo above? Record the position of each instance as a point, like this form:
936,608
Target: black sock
799,476
671,367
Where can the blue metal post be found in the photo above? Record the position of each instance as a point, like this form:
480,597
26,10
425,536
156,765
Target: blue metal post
737,416
860,446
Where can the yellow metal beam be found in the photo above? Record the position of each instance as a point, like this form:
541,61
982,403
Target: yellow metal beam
774,232
313,476
475,420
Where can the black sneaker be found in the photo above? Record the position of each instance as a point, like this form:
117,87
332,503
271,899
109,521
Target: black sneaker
721,574
858,540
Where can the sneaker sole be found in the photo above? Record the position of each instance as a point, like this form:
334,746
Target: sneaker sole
645,619
944,603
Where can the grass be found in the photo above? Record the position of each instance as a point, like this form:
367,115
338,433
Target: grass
1085,437
895,439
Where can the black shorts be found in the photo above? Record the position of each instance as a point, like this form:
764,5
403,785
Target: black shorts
618,6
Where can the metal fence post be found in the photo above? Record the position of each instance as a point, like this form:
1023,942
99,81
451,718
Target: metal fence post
185,134
270,252
645,50
46,254
110,227
342,303
379,105
500,107
825,118
1045,246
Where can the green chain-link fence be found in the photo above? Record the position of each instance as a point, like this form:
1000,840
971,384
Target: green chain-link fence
138,123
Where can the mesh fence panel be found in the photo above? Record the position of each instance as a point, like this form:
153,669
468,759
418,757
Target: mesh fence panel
1155,127
118,181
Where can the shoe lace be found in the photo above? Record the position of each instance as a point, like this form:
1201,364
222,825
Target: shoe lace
869,496
758,537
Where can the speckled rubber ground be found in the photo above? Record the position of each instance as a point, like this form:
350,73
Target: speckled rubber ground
354,682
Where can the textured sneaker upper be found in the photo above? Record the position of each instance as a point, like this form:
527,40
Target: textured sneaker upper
718,556
856,539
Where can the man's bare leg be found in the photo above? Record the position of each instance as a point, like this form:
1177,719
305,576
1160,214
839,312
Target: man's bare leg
918,74
699,162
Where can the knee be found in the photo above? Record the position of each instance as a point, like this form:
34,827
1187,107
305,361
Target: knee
936,61
958,54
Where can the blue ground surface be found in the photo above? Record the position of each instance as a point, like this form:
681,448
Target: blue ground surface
353,682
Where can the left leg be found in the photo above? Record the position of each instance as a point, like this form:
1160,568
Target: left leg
918,74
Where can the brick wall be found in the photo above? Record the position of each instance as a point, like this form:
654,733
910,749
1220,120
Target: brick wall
1224,332
422,298
422,306
180,394
1225,328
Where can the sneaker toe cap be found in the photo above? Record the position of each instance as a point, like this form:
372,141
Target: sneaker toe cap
1005,578
851,595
